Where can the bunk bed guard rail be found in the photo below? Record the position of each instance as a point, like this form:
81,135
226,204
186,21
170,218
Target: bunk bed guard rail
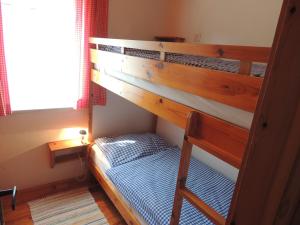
232,87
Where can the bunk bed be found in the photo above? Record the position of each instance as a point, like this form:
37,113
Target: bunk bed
209,90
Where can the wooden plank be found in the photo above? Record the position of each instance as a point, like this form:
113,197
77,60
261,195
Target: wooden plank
162,56
225,141
228,88
169,39
245,67
226,155
173,112
66,144
209,212
269,177
291,195
181,180
216,132
244,53
125,210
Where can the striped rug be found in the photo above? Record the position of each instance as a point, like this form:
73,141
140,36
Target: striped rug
71,207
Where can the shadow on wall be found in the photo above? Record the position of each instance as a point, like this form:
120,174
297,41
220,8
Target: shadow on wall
32,168
23,136
26,130
23,151
121,117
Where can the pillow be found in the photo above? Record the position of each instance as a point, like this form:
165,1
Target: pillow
130,147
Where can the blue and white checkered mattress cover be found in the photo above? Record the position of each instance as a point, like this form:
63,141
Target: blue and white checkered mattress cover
149,184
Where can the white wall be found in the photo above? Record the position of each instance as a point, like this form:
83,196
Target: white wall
120,117
137,19
238,22
24,157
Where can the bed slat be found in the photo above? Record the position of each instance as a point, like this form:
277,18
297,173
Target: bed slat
244,53
228,88
245,67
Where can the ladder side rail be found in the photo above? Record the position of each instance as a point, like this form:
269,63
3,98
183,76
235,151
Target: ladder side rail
181,180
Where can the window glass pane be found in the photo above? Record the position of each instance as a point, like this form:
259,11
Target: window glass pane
42,54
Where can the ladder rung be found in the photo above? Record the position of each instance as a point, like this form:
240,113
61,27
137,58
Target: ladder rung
202,207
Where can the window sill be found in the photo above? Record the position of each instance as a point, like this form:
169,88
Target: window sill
16,112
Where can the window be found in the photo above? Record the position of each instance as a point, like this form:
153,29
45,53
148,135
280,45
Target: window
42,53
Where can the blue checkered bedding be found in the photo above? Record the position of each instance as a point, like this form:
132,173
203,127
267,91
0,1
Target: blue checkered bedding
149,186
125,148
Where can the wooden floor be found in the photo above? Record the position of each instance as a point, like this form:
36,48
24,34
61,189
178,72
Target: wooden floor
21,215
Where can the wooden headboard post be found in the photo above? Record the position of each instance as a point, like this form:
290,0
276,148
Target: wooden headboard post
268,186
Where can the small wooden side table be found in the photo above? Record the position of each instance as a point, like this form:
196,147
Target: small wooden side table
74,147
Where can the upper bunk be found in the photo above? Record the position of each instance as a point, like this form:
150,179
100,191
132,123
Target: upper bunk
221,82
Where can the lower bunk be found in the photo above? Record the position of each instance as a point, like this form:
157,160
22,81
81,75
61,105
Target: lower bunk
139,172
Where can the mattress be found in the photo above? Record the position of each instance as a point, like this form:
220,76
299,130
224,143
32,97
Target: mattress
103,165
99,158
148,184
191,60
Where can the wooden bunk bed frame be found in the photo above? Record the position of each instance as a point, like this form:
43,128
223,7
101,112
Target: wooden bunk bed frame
218,137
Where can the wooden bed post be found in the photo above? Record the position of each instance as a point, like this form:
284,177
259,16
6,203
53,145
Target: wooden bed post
155,119
268,186
186,152
245,67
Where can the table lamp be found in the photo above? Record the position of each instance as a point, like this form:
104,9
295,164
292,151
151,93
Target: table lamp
83,133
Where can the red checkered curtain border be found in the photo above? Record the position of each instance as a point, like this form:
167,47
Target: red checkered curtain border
99,28
5,108
82,34
91,19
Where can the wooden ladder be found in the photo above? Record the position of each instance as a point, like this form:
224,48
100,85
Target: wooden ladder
181,190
